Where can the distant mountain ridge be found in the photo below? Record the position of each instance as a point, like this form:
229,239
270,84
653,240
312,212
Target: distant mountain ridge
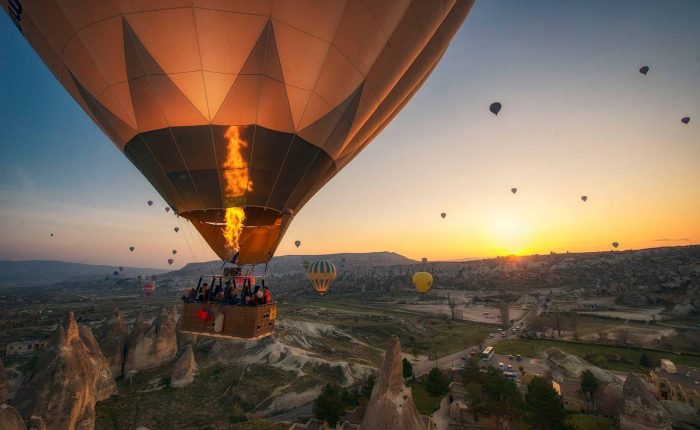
36,272
294,263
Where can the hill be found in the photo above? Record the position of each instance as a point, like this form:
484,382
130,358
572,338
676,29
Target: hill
294,263
37,272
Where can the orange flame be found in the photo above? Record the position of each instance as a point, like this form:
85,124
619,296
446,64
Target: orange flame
236,183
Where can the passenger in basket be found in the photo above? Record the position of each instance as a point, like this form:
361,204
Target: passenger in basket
259,297
230,293
245,294
188,297
203,293
218,293
267,294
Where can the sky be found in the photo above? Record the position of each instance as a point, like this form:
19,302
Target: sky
577,119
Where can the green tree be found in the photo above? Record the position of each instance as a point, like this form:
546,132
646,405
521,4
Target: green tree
589,385
544,407
501,397
368,386
436,383
407,369
645,361
329,405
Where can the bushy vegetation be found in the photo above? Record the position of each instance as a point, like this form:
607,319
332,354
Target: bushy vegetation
334,400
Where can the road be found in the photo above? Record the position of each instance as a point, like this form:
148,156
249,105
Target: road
291,416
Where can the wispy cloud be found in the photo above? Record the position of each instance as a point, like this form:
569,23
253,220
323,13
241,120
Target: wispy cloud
684,239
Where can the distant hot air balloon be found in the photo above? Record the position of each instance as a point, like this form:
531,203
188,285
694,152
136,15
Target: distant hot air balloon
176,229
150,203
306,265
167,209
149,288
644,70
495,108
615,244
187,92
422,281
513,190
584,198
424,260
443,215
170,261
131,248
115,273
685,120
174,251
297,243
321,273
51,234
139,278
121,269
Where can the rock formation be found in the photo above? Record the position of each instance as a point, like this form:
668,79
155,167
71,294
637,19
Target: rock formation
113,341
10,419
642,410
572,366
150,345
69,378
391,403
4,384
36,423
684,416
184,370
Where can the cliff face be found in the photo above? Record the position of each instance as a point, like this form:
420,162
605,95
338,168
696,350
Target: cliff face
391,404
150,345
184,370
113,341
10,419
642,410
4,384
69,378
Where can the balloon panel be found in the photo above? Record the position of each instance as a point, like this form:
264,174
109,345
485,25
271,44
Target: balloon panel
307,87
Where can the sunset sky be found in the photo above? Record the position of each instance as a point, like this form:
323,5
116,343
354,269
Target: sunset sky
578,118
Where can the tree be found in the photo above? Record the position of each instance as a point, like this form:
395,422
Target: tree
504,309
573,321
645,361
501,397
589,385
407,369
436,383
329,406
545,410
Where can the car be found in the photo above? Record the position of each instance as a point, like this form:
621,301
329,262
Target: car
510,368
501,367
518,357
510,356
473,350
490,335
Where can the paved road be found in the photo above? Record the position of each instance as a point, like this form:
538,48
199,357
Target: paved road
292,415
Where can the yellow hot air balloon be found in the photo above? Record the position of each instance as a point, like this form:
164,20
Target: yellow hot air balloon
321,273
239,112
422,281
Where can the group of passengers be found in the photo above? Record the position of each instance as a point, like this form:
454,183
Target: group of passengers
229,294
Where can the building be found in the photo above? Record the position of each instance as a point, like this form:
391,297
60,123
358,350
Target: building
668,366
25,347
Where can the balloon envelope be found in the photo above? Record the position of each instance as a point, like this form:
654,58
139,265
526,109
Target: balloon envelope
615,244
685,120
176,229
171,261
174,251
644,70
321,273
422,281
584,198
443,215
495,108
424,260
297,243
150,203
131,248
250,105
513,190
149,288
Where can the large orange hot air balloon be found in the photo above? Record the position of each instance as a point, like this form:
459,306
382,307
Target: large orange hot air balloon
239,112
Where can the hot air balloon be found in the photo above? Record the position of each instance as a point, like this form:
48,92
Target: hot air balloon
139,279
685,120
176,229
51,234
424,260
513,190
167,209
297,243
615,244
121,269
174,251
150,203
422,281
443,215
149,288
170,261
321,273
131,248
495,108
115,273
241,280
306,265
644,70
186,92
584,198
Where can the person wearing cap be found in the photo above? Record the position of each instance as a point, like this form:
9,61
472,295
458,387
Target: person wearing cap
203,295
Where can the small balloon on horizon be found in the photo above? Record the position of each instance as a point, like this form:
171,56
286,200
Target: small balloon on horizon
495,108
644,70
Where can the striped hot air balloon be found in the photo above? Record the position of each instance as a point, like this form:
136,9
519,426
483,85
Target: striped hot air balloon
239,112
321,273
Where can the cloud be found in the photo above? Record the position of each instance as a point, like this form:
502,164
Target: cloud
684,239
